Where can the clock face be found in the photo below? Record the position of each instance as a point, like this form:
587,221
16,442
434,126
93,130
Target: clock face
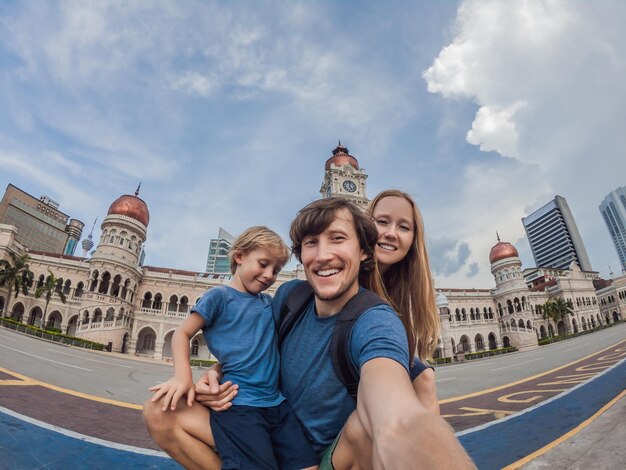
349,186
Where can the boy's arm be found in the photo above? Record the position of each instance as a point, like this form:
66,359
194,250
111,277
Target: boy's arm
182,382
403,432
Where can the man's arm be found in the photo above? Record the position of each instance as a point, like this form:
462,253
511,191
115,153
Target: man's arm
404,434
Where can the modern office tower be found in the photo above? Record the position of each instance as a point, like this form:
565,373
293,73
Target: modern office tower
613,209
41,226
554,238
217,261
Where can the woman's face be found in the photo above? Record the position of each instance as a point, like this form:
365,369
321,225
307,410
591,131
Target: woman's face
396,229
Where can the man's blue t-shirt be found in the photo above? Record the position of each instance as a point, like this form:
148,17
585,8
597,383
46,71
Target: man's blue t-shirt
240,331
308,380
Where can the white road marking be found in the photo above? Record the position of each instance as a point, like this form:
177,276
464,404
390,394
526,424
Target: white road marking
88,359
83,437
517,365
45,358
445,380
575,347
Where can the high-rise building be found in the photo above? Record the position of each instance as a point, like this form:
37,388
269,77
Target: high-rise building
613,210
343,177
554,238
41,226
217,262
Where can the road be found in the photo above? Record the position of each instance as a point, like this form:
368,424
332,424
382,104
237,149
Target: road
126,378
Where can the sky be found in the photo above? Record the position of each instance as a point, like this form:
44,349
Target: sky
227,111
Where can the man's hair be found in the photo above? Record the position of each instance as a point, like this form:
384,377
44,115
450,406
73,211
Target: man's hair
258,237
317,216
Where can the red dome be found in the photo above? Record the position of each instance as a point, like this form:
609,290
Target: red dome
502,250
341,157
131,206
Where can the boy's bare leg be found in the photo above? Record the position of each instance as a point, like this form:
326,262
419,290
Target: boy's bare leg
185,434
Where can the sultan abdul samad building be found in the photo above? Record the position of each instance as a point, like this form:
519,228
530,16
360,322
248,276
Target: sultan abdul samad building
112,298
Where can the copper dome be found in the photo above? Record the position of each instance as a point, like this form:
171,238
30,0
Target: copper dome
341,157
131,206
502,250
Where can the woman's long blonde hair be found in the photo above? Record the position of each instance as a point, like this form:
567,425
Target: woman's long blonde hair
408,284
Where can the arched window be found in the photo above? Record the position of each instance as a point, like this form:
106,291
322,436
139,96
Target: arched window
147,300
158,302
67,286
478,341
195,348
94,281
183,305
173,305
104,285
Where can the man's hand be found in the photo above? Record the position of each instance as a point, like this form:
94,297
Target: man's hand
172,391
210,393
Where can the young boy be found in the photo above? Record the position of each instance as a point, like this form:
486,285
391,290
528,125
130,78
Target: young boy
260,431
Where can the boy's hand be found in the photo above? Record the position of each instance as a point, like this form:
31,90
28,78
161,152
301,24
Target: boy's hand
210,393
172,390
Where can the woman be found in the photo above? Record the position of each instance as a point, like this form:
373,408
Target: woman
403,262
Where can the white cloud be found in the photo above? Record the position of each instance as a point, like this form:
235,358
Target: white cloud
494,129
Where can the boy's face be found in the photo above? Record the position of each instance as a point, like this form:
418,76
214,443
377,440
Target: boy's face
331,263
257,270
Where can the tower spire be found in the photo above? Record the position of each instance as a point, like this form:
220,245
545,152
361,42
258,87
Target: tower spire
137,192
498,236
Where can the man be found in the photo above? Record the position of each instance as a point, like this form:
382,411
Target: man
387,427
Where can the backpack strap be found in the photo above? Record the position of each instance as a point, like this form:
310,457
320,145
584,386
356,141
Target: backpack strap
295,304
340,342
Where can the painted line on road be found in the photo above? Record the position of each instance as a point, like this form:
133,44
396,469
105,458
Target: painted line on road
516,365
44,358
445,380
84,437
527,379
564,437
74,393
88,359
575,347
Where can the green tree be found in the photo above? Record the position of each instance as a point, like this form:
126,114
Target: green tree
47,290
16,275
557,310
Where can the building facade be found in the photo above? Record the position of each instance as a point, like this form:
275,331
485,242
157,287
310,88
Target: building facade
41,225
217,259
112,298
554,237
613,210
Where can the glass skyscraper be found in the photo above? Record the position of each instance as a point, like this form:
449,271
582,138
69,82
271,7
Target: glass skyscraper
217,260
554,238
613,210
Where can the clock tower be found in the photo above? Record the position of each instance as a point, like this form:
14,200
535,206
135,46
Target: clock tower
343,177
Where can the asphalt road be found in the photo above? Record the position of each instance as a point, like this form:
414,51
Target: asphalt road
125,378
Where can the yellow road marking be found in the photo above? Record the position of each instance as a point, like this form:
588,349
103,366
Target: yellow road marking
500,387
508,399
16,382
480,412
72,392
566,436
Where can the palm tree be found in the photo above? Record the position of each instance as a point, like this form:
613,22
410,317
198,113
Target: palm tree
48,289
557,310
15,274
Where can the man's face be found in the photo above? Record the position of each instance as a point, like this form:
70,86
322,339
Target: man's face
331,263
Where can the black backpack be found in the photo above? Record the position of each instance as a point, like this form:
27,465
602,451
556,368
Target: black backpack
295,305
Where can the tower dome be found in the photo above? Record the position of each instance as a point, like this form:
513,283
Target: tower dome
131,206
341,157
502,250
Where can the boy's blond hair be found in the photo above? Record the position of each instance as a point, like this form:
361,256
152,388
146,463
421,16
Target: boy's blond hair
258,237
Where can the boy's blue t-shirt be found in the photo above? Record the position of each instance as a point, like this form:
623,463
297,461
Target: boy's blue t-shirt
240,331
308,380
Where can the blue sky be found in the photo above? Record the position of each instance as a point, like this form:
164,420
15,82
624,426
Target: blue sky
227,111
